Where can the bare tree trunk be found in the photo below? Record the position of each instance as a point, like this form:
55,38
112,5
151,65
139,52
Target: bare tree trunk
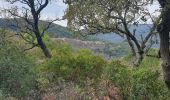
36,14
40,41
36,28
43,47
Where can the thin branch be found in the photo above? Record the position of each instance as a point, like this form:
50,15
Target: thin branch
33,46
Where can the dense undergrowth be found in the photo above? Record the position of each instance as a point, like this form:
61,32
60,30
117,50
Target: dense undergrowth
75,75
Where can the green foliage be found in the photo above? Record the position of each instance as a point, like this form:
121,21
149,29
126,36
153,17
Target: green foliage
88,66
68,65
15,69
128,58
139,83
142,83
115,50
146,84
79,67
2,96
121,76
151,61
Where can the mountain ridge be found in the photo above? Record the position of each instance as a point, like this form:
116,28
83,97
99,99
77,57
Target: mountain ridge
54,30
58,31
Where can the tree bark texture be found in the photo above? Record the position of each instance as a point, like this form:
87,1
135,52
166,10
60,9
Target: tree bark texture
164,29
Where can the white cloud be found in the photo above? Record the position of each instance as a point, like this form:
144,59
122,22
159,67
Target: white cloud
62,23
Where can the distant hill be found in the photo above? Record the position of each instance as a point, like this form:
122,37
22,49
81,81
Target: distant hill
108,50
57,31
54,31
114,45
141,29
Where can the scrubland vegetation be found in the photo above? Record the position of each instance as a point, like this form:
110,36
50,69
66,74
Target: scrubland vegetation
75,75
37,63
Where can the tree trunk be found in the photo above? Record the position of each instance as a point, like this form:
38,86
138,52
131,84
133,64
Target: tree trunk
164,29
131,46
130,38
38,36
139,58
43,47
165,55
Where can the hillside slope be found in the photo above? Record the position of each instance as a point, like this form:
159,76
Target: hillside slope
107,49
54,31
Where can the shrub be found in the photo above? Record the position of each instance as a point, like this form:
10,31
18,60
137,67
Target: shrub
142,83
16,76
121,77
71,66
146,84
88,66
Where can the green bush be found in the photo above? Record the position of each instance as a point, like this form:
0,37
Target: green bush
121,76
16,76
142,83
146,84
87,65
71,66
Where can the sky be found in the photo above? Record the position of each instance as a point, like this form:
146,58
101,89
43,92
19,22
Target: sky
53,10
56,9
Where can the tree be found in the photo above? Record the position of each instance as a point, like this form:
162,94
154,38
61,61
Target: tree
164,29
28,22
117,16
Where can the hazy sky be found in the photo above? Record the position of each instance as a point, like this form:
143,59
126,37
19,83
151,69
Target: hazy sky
53,10
56,9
